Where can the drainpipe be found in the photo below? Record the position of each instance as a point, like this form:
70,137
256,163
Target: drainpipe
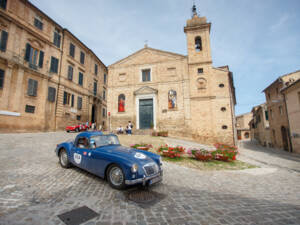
59,76
289,131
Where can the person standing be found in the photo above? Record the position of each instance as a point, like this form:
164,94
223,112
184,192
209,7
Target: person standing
130,126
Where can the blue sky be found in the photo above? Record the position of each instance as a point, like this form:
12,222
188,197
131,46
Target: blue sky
259,40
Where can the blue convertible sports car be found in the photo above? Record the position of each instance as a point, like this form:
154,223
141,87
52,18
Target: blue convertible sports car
103,156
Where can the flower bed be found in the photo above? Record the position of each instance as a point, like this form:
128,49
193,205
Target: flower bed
142,146
200,154
171,152
225,152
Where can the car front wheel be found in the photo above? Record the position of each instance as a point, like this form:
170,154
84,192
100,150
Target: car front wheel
63,159
116,177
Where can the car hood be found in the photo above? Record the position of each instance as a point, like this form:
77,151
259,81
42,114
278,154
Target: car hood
126,152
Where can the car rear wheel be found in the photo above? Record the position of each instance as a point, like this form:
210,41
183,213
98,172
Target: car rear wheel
116,177
68,131
77,130
63,159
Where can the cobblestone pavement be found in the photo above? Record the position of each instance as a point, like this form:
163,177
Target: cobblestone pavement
34,189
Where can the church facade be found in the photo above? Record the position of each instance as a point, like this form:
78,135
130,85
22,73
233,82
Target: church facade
182,94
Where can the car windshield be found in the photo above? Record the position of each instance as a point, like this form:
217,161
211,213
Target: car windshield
103,140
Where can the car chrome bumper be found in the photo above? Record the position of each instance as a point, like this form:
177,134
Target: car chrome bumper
144,179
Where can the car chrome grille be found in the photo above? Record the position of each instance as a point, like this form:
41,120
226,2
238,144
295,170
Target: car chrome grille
151,169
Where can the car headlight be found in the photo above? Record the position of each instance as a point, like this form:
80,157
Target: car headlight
134,168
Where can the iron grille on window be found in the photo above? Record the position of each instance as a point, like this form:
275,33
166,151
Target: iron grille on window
78,117
200,70
29,109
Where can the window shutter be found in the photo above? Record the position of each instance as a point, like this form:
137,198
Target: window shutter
51,94
30,87
79,102
70,73
27,53
3,43
2,78
58,40
72,102
56,65
65,97
41,59
35,86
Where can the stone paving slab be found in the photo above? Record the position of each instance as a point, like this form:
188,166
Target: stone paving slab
34,189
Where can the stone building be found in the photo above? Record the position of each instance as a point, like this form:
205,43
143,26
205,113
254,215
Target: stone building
279,125
40,85
242,126
182,94
259,125
291,95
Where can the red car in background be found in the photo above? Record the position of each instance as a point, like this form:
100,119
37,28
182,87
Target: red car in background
77,128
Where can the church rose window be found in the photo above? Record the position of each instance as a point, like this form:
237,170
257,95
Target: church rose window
121,103
172,99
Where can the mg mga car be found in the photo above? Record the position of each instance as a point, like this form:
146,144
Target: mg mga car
102,155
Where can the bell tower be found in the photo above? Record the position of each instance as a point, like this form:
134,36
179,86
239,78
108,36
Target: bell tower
198,39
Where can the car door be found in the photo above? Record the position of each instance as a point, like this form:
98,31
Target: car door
79,153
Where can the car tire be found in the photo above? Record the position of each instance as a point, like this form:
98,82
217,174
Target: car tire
63,159
77,130
68,131
115,177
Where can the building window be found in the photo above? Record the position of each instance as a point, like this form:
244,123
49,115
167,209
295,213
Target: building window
57,38
29,108
32,87
51,94
224,127
34,57
72,50
221,85
2,74
96,69
200,70
172,99
82,56
80,79
54,65
72,100
267,115
104,94
198,44
70,72
38,23
146,75
121,103
223,109
78,117
3,41
280,110
79,103
104,112
105,78
95,87
67,97
3,4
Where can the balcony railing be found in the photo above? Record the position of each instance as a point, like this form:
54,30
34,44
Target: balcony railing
16,58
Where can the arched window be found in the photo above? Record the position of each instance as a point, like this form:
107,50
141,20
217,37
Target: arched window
201,83
172,99
121,103
198,44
